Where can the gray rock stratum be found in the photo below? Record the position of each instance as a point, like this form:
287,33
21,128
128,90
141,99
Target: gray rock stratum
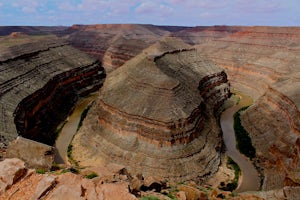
41,79
156,115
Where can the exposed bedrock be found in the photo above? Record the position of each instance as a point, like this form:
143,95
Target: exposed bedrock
39,84
263,62
114,44
276,137
154,116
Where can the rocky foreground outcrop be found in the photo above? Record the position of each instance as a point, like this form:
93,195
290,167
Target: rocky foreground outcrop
19,182
155,115
111,183
40,81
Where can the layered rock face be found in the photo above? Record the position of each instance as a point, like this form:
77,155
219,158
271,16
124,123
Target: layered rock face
262,62
155,115
276,137
39,84
114,44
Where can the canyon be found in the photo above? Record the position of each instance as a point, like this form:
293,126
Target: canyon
158,109
262,62
39,77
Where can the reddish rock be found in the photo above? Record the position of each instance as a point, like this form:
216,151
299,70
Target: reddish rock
17,34
117,191
44,186
181,195
192,193
37,155
11,170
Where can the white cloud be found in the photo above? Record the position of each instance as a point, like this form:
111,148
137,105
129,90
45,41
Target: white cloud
66,6
259,6
92,5
84,5
27,6
146,7
153,8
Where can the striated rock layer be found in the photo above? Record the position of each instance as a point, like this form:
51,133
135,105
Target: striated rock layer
262,62
114,44
155,115
40,82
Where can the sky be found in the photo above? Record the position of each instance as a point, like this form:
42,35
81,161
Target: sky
158,12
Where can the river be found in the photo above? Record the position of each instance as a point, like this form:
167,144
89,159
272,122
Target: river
69,130
249,179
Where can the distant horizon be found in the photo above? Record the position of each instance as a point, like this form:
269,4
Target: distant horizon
190,13
291,26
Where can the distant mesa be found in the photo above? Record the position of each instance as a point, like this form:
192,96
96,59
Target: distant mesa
17,34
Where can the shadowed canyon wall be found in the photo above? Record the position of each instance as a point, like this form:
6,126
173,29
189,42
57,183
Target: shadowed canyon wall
40,83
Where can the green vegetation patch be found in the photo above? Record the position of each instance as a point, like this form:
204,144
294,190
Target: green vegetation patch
243,140
40,171
69,153
91,175
83,116
237,172
72,170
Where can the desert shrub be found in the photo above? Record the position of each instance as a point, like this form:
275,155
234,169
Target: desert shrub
72,170
40,171
91,175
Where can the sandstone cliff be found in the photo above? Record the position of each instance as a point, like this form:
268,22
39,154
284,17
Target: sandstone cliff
155,115
39,83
